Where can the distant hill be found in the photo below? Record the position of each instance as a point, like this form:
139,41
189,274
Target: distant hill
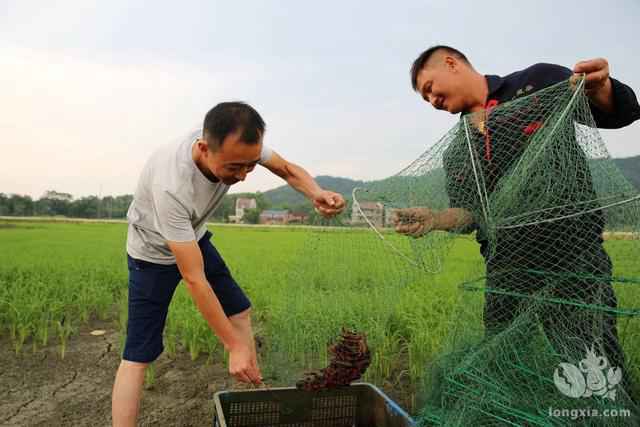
285,195
630,168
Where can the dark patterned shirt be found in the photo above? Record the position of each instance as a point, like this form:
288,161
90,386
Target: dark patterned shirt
497,155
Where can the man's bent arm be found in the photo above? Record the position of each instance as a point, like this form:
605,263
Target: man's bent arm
191,266
417,222
452,219
615,103
296,176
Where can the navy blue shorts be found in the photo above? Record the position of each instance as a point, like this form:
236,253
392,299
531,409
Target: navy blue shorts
151,287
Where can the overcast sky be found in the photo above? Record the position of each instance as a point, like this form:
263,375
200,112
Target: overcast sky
88,89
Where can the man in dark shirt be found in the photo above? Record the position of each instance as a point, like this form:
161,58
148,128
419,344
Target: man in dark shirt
444,77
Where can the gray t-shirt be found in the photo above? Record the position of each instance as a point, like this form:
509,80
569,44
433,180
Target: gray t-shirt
172,202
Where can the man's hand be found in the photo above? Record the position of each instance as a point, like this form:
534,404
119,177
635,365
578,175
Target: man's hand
597,84
328,203
414,222
243,365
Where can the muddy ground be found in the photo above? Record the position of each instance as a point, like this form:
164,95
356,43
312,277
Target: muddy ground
41,389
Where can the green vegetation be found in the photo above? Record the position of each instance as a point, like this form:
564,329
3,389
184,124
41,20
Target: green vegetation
305,285
630,168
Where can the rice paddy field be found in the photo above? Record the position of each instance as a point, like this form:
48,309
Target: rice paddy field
59,281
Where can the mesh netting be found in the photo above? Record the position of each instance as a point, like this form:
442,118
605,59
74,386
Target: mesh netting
533,180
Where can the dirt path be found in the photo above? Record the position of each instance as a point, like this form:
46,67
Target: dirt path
41,389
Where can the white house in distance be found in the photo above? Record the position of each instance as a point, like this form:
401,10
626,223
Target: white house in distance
282,217
242,204
389,214
374,211
278,217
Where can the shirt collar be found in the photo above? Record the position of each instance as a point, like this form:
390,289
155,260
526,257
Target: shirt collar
494,83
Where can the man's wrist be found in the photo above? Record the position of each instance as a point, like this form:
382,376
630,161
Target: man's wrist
232,343
315,194
437,221
602,97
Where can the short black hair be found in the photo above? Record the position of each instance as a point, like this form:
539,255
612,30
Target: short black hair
229,117
421,60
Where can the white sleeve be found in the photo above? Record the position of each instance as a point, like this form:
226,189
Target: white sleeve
265,154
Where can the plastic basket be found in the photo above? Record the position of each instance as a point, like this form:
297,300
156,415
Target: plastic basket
358,405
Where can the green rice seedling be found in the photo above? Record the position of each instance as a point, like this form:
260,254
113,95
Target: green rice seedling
63,330
303,287
150,376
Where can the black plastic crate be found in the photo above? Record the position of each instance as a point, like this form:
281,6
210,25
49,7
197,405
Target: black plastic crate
358,405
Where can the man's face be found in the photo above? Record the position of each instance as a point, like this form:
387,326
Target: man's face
441,84
232,161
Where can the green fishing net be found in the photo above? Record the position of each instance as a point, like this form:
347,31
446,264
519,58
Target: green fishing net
546,329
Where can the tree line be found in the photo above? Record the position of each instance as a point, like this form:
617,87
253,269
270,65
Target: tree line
63,204
54,203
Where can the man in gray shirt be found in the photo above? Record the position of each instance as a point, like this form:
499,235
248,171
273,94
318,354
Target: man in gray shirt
167,241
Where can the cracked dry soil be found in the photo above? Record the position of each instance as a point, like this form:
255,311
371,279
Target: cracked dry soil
41,389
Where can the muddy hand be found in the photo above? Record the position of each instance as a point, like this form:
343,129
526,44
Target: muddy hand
414,222
243,366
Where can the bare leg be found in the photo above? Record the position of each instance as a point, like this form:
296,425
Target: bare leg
127,391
